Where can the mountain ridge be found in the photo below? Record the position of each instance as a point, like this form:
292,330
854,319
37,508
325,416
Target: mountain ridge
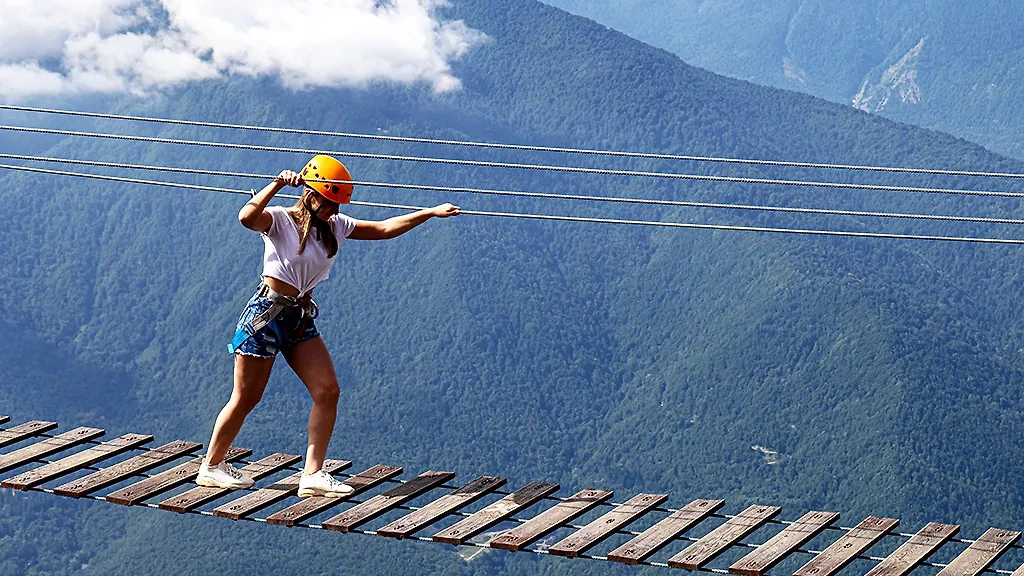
966,81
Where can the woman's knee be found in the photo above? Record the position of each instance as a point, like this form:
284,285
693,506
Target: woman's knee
326,393
245,402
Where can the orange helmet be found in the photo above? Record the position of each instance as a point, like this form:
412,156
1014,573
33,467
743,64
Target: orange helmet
327,168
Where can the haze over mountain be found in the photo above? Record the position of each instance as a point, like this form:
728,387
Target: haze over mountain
941,64
862,376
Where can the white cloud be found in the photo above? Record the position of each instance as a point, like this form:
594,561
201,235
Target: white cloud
88,46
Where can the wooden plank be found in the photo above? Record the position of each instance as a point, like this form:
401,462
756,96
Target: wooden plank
131,495
981,553
381,503
4,419
848,547
523,535
311,506
200,495
508,506
715,542
74,462
254,501
782,544
597,531
658,536
48,446
914,551
441,507
20,432
1019,571
126,469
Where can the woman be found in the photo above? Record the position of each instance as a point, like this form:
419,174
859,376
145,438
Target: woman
300,245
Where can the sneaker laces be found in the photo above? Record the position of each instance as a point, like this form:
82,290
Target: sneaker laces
334,483
230,471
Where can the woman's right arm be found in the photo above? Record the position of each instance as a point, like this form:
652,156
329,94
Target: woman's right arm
254,215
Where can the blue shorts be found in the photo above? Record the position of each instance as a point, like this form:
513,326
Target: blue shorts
289,328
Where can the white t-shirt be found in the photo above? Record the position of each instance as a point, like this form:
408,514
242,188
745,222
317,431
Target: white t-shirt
281,259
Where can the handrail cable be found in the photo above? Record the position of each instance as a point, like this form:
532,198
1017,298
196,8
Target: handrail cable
609,504
809,232
547,195
481,163
494,145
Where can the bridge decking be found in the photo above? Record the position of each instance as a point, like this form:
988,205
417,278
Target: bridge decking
849,545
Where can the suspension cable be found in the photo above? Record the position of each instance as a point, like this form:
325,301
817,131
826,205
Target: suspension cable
810,232
511,165
494,145
546,195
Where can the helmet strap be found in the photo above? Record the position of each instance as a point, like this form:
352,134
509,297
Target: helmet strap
309,207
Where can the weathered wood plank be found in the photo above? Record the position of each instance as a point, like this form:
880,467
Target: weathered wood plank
4,419
131,495
523,535
507,507
126,469
1019,571
441,507
360,482
715,542
381,503
658,536
848,547
200,495
782,544
914,551
254,501
74,462
48,446
981,553
20,432
597,531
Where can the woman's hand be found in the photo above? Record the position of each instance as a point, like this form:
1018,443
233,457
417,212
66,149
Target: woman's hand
398,225
445,210
289,178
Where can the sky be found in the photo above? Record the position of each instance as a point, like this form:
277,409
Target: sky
77,47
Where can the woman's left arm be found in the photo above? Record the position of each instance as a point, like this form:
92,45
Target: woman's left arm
393,227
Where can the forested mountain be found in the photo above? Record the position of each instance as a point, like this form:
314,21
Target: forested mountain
935,63
885,376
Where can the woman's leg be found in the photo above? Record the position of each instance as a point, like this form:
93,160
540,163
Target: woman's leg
251,375
312,363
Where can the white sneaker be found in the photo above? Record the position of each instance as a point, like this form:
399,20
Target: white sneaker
322,484
223,475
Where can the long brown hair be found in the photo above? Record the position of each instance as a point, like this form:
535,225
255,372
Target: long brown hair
303,216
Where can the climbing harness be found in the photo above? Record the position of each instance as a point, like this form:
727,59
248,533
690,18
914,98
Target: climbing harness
279,302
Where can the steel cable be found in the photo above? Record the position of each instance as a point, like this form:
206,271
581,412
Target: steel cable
511,165
625,222
513,193
521,147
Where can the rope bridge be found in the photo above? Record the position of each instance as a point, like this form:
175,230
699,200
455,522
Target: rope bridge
141,480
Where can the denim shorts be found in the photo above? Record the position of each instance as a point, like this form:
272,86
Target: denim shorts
289,328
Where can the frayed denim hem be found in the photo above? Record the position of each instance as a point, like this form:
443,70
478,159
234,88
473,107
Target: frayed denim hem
251,355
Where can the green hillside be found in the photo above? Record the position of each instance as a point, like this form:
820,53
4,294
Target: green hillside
938,64
886,375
